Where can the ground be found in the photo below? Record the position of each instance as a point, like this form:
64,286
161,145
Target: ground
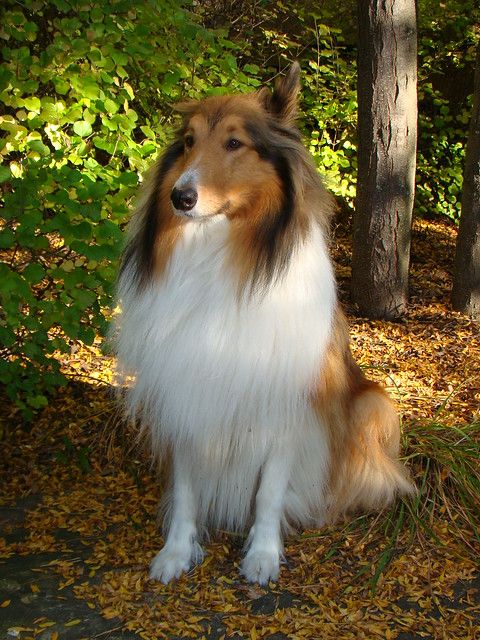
78,522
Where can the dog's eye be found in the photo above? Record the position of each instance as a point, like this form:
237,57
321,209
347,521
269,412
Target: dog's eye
188,141
233,144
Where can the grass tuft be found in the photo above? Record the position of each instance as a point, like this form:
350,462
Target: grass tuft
445,462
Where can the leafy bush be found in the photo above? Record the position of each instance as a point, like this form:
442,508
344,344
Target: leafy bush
441,156
445,83
330,105
87,90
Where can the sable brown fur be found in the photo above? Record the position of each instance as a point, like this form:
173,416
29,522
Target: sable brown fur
363,429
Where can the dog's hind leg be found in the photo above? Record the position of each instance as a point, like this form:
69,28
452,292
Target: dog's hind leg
264,544
182,549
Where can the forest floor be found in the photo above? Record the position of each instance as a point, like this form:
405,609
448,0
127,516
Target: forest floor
78,517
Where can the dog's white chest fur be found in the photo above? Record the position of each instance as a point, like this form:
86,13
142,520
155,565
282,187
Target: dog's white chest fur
228,379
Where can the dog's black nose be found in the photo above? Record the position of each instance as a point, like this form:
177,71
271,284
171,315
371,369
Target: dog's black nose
184,199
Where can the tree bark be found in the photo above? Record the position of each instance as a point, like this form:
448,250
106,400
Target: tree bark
387,130
466,276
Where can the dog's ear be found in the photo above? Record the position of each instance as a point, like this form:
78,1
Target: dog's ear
282,103
186,108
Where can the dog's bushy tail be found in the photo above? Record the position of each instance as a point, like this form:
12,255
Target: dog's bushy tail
364,434
369,475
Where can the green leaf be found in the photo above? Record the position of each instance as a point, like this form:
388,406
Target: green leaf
37,402
7,338
82,128
7,238
129,178
39,147
33,273
119,58
83,297
89,116
94,189
82,231
62,86
32,104
5,174
110,106
96,15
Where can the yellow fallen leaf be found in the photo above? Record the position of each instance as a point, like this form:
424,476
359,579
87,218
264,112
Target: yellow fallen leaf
72,623
67,583
5,604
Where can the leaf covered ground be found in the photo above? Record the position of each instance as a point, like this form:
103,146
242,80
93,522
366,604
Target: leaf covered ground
79,505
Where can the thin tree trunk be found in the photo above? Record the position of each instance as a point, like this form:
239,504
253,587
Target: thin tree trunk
387,113
466,277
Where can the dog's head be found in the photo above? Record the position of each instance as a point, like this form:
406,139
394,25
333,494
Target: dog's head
232,153
237,157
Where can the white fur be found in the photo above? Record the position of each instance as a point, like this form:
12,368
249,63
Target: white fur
225,383
181,548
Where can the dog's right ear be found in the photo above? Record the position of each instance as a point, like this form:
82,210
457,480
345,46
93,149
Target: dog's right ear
186,108
282,103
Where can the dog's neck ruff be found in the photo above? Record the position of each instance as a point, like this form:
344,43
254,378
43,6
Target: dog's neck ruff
201,354
224,376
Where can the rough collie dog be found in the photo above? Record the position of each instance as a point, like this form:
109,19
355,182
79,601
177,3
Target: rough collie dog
230,324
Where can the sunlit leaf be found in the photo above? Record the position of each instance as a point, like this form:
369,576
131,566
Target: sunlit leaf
82,128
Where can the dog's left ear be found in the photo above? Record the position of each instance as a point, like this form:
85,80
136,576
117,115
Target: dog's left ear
282,103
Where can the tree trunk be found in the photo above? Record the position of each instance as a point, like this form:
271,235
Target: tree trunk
466,276
387,130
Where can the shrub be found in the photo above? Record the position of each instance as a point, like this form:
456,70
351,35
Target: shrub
87,89
448,35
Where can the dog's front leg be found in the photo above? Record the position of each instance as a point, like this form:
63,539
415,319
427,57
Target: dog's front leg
182,549
264,543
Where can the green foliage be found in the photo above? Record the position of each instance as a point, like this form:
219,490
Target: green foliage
330,104
87,90
441,156
448,36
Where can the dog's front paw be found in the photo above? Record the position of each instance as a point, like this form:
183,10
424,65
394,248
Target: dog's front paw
261,566
172,561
